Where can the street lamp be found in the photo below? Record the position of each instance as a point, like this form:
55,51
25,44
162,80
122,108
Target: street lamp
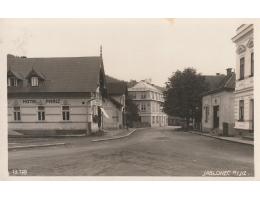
87,127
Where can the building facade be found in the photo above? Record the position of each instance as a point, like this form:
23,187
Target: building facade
149,99
57,94
218,106
244,91
114,105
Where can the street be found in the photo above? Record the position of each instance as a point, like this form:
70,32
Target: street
147,152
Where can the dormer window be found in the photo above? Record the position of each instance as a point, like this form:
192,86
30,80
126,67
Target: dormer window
35,78
12,82
14,79
34,81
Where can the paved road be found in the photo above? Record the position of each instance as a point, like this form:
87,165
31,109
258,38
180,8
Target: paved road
148,152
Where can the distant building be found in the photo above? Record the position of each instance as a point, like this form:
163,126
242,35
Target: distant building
217,104
114,105
244,91
149,99
176,121
63,93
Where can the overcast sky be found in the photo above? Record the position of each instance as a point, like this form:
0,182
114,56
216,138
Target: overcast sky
132,49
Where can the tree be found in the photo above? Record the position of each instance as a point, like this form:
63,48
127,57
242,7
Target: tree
183,94
131,112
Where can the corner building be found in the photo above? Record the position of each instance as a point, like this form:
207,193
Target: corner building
244,90
149,99
60,94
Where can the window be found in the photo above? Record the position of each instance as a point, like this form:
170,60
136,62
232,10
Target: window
252,64
143,107
206,114
143,95
153,119
242,68
34,81
241,110
65,113
133,95
12,82
41,113
17,113
157,119
152,95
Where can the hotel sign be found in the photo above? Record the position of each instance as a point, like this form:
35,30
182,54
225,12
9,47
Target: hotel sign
47,101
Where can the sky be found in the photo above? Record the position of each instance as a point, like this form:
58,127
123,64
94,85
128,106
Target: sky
132,48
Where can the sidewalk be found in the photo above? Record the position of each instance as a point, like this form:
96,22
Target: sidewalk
230,139
34,142
112,135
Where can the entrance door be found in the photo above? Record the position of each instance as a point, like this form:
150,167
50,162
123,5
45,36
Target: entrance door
99,117
216,117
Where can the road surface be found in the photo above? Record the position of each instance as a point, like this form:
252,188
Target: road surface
147,152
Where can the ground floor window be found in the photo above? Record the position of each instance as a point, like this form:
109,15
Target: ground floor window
17,113
241,110
41,113
65,112
157,119
153,119
143,107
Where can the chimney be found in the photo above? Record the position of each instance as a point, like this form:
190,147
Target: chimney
229,71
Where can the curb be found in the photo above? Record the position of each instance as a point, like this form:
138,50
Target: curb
219,138
114,138
46,136
33,146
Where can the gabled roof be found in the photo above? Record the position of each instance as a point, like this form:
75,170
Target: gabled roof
144,86
10,72
225,83
34,73
213,80
117,88
62,74
115,102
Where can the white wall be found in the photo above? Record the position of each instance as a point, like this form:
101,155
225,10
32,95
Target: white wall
53,115
225,101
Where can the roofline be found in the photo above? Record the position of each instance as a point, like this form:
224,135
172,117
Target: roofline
217,91
23,57
242,32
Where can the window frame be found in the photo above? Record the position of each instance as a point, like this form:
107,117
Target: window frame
241,108
252,63
65,113
143,107
9,81
143,95
242,67
17,113
34,81
41,113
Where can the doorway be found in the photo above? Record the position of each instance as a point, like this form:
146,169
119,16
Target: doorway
216,117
